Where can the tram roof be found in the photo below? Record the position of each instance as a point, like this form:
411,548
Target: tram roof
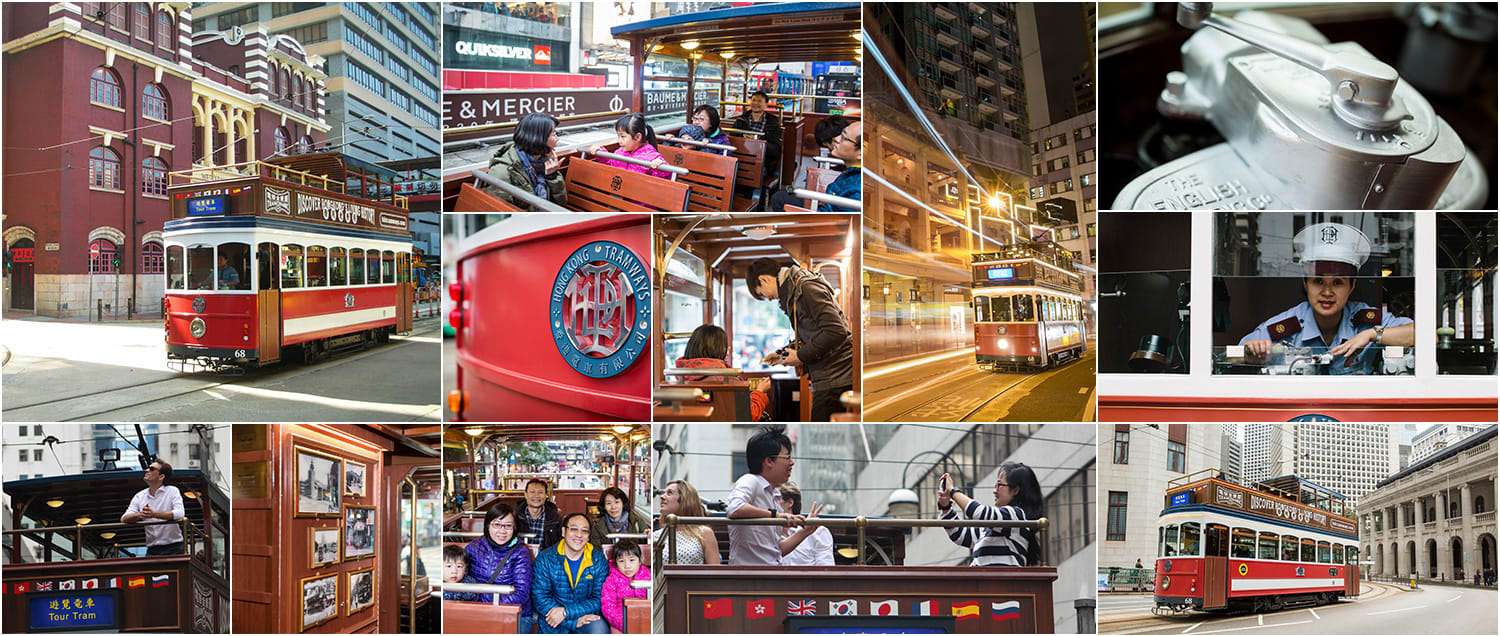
541,432
103,496
335,166
771,32
1282,481
1436,458
722,238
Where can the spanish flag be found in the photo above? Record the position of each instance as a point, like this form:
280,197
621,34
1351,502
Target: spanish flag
137,581
966,611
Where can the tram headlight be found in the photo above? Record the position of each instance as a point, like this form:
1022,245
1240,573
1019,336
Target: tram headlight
1166,582
197,327
1002,344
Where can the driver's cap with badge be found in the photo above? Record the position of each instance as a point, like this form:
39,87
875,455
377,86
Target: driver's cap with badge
1331,249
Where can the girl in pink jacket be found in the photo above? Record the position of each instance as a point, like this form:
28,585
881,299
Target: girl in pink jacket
637,141
625,567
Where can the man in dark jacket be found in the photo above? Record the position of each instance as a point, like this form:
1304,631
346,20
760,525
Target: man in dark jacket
567,582
539,515
825,348
769,124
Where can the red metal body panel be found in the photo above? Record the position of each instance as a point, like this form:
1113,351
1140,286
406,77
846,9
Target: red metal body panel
303,303
508,365
1020,339
1187,577
229,320
1276,570
1124,408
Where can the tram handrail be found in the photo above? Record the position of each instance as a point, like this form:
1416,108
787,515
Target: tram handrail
677,395
463,534
496,590
677,335
665,167
822,197
711,371
189,531
741,131
481,127
860,522
203,174
695,142
640,585
813,96
1226,476
620,536
832,160
542,205
850,399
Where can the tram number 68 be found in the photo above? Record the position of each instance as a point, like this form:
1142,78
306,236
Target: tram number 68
239,353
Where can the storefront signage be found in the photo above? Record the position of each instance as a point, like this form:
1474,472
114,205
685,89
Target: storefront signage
508,107
51,247
482,49
92,610
1280,509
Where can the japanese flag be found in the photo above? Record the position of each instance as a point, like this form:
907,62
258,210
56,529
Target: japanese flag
884,608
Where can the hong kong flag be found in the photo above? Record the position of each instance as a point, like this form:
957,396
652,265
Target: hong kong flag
759,609
718,608
21,588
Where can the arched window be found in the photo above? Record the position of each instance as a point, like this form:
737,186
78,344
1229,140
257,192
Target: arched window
165,33
280,140
154,176
304,145
104,168
286,87
275,84
104,88
151,257
154,102
102,257
1478,505
143,21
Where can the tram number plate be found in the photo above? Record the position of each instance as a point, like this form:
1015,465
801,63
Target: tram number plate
239,353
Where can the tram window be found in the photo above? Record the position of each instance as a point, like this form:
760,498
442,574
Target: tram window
387,267
1323,556
233,266
1169,541
265,257
1465,270
1338,554
1191,540
176,268
1000,308
291,266
317,266
1267,546
403,272
1288,547
1242,544
1353,555
200,264
1309,551
372,267
338,266
1218,540
356,266
982,309
1024,311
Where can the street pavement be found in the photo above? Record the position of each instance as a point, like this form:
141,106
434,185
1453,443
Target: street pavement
116,371
954,388
1380,609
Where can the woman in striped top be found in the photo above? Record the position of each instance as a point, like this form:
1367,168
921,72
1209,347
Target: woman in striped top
1017,496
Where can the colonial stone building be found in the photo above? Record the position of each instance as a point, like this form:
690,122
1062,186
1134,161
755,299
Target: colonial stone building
1435,519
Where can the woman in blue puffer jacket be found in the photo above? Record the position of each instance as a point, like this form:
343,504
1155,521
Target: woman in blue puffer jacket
499,557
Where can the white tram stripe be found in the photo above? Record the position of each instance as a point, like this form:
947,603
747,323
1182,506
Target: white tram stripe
1242,585
308,324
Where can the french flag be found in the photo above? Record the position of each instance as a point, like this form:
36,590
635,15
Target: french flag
925,608
1005,611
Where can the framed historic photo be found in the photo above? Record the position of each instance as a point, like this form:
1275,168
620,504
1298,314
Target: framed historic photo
361,590
323,546
320,600
359,531
354,479
320,479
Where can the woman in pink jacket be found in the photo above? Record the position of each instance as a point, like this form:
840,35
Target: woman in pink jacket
637,141
625,567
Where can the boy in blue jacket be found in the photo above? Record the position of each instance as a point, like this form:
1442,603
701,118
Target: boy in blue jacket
567,581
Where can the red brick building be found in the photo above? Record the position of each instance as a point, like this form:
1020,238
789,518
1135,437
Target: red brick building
102,102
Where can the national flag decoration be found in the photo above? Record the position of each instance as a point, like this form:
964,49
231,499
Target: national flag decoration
161,580
884,608
21,588
43,586
843,608
136,581
802,608
1005,611
113,581
925,608
718,608
966,611
67,585
91,584
764,608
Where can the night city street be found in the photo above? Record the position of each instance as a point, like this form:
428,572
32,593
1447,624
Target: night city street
952,388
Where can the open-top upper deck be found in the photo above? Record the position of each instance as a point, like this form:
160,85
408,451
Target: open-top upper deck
1289,499
1027,263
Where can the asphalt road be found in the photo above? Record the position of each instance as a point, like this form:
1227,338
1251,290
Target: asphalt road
954,388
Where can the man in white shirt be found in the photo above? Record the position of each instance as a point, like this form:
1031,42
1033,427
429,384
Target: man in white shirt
818,548
768,455
158,502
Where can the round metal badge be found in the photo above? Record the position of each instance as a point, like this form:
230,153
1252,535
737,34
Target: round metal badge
601,309
199,304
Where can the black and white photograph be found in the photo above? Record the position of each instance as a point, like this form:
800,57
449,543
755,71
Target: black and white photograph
320,599
318,491
354,479
359,531
361,590
323,546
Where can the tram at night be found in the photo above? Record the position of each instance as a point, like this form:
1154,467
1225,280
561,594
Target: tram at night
1028,306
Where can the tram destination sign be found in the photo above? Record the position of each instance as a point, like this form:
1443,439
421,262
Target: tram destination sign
305,206
1280,509
73,611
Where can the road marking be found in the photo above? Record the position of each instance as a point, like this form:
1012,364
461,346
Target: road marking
1395,610
1460,594
1235,629
1315,614
1260,619
1195,626
1083,390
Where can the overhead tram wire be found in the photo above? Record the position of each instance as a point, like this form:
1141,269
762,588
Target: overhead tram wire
91,439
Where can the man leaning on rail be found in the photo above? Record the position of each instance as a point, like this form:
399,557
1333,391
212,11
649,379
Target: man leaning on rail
158,502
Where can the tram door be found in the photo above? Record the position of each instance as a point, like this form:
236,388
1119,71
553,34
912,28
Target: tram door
1351,572
403,293
1216,567
268,303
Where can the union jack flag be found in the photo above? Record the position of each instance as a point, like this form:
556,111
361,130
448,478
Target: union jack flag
45,586
801,608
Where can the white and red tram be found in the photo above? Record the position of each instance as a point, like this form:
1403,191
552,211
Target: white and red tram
1028,306
300,257
1280,543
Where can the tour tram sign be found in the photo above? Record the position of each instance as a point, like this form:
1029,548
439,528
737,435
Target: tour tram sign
83,610
1255,503
305,206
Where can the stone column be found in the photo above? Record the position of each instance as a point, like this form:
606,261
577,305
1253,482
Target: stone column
1419,547
1466,531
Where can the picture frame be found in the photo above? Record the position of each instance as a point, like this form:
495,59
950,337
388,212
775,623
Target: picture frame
322,549
320,600
359,532
319,491
361,590
354,478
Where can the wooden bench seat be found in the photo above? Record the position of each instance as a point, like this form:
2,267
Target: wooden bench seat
751,185
730,398
595,187
711,177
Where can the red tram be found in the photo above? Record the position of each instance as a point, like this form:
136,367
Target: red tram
305,255
1028,306
1283,542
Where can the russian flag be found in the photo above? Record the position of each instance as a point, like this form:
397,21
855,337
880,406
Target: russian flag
1005,611
160,580
924,608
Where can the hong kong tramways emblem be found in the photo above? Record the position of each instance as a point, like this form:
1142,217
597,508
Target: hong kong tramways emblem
601,309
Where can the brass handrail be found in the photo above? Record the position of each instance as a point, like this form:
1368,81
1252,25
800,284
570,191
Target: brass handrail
190,532
860,522
203,174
